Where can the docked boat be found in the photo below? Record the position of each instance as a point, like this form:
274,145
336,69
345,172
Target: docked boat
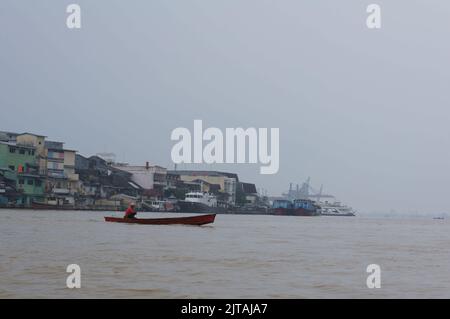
249,210
336,209
157,206
39,205
50,206
190,220
298,207
197,202
329,207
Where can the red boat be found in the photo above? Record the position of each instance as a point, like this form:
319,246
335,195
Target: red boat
190,220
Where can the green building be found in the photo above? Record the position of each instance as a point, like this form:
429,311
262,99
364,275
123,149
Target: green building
19,162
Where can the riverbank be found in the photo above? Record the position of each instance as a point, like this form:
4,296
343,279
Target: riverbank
115,209
236,210
102,209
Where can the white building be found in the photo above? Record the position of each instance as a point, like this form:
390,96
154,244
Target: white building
149,177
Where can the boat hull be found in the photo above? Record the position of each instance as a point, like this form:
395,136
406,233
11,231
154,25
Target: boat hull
344,214
190,220
198,208
38,205
294,212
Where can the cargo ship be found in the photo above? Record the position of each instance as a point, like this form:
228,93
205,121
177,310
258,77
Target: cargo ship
297,207
326,203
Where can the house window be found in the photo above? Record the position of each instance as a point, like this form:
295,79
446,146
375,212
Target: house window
11,167
32,152
30,182
21,181
22,151
38,183
12,149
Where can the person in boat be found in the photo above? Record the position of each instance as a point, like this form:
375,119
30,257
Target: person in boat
131,211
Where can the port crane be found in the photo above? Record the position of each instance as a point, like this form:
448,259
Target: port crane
306,192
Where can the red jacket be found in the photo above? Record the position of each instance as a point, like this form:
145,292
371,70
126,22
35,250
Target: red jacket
130,211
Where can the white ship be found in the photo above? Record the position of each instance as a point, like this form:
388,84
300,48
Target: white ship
201,198
335,209
197,202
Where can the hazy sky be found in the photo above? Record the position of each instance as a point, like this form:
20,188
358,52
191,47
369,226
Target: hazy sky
364,112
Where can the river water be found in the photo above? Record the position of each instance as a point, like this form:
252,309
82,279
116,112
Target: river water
239,256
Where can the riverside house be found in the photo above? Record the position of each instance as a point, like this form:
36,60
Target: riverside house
18,163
